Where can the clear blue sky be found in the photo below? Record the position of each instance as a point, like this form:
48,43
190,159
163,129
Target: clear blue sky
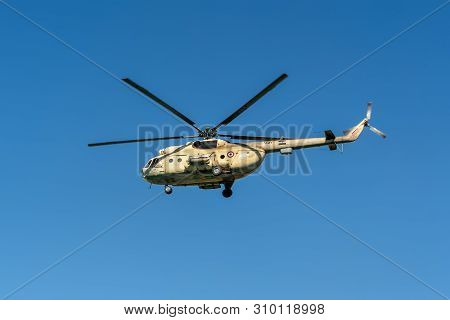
207,58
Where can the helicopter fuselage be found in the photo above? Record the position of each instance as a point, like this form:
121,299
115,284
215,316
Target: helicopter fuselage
206,163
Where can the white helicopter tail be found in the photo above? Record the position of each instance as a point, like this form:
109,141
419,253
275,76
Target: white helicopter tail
354,132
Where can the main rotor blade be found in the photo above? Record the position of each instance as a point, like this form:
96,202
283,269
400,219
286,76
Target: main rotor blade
252,101
257,138
98,144
160,102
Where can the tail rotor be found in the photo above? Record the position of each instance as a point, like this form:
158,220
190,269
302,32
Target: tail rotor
367,124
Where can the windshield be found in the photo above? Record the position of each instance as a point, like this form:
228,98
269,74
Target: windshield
152,162
205,144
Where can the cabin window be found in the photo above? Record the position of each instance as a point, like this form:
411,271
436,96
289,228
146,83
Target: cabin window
205,144
170,160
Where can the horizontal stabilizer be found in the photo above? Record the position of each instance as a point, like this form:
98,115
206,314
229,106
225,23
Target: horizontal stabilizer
329,135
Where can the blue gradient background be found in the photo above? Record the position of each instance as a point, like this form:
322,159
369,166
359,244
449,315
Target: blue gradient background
207,58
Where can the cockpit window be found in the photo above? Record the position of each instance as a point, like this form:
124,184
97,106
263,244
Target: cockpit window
155,162
205,144
152,162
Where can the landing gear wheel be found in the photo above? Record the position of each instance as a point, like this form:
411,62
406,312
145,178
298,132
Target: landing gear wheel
227,193
217,171
168,189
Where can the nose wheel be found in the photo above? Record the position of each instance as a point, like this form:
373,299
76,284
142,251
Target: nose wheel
168,189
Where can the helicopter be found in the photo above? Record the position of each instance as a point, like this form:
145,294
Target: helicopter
211,160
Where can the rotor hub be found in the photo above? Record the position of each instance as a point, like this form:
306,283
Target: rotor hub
208,133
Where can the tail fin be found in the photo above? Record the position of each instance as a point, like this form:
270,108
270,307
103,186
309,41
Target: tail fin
347,131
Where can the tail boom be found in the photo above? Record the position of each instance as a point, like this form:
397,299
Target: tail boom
329,140
274,146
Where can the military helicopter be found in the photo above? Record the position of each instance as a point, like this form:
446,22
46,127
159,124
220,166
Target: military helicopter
212,160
